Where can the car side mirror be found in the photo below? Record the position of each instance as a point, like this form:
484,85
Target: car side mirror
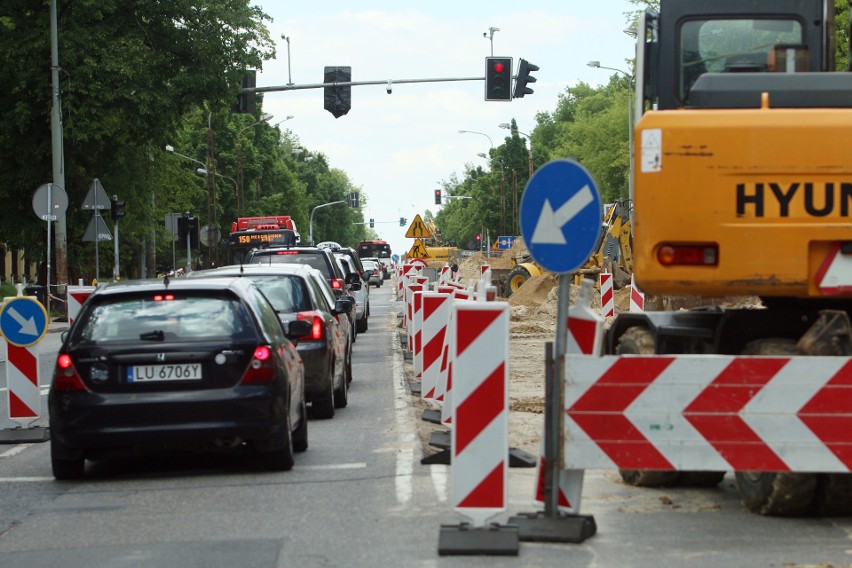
366,275
351,278
295,329
343,306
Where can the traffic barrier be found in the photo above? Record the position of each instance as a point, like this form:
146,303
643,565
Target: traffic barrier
436,316
409,314
709,413
446,274
607,296
480,433
637,297
77,295
417,330
22,377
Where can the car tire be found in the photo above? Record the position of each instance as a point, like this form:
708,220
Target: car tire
348,372
282,458
362,324
323,407
300,436
65,468
341,395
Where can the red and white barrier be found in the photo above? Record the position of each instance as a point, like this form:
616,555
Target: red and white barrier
77,295
436,317
709,413
480,433
607,295
637,297
408,320
417,330
22,376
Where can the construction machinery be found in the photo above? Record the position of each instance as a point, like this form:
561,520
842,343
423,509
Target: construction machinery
743,186
613,254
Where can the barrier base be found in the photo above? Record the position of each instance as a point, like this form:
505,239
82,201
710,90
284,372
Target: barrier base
443,439
432,415
24,435
407,355
538,527
439,458
465,540
415,388
520,458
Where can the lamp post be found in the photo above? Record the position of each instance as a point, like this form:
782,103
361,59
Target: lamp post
211,187
480,133
508,126
597,65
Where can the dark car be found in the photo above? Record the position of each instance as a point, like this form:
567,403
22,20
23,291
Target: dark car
295,291
315,257
200,364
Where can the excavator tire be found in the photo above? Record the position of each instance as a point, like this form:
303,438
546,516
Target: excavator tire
781,494
834,494
771,493
639,340
516,279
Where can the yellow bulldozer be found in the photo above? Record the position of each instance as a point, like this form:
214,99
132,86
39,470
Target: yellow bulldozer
614,254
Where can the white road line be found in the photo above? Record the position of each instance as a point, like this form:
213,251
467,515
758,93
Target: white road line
407,435
359,465
15,450
25,479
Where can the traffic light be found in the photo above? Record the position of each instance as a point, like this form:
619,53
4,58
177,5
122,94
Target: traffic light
352,199
116,208
402,221
438,199
247,102
524,78
338,100
372,223
498,78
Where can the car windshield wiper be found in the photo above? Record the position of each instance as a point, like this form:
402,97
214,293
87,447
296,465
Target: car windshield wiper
155,335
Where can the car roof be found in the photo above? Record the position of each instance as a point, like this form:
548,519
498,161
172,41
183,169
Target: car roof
254,269
237,285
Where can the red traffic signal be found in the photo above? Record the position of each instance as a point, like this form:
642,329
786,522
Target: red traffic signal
498,78
438,198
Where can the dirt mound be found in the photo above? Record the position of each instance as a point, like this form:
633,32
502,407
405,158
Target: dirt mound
534,292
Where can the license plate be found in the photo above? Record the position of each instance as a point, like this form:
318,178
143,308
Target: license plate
146,373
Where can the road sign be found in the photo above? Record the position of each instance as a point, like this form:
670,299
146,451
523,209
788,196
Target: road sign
418,250
561,214
23,321
208,236
50,202
97,197
418,229
505,242
97,229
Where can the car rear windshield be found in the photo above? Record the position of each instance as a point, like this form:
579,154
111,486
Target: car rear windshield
166,316
285,293
313,259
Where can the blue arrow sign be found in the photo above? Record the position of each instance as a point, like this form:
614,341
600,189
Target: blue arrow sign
561,216
23,321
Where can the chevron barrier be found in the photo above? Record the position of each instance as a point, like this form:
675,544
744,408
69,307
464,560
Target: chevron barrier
709,413
417,329
77,295
23,394
480,433
637,297
436,316
607,295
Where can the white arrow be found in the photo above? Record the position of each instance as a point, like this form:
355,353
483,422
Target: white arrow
28,326
548,230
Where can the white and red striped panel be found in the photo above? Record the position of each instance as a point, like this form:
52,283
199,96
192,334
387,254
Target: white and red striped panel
480,432
709,413
436,317
607,295
77,295
22,375
637,297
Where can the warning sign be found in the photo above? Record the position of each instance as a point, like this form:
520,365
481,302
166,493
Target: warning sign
418,250
418,229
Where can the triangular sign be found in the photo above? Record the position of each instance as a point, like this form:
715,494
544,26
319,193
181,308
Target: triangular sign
418,250
97,198
418,229
97,229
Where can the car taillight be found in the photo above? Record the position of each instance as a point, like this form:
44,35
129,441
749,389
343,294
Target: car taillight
336,284
317,326
261,368
65,377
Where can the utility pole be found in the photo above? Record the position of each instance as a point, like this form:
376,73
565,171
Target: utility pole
57,153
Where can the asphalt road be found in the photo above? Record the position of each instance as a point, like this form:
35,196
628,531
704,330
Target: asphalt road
358,497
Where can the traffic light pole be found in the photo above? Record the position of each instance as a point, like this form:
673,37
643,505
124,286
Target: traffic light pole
387,82
115,246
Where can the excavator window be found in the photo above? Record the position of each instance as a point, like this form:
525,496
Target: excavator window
731,45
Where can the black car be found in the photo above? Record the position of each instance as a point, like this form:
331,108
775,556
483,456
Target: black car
177,365
315,257
296,292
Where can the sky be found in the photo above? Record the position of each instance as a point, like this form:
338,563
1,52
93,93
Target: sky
398,148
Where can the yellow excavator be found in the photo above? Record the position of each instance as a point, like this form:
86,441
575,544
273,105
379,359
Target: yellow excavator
614,254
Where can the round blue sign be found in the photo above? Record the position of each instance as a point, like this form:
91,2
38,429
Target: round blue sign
561,216
23,321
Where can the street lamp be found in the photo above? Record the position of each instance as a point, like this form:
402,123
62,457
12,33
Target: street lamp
507,126
597,65
480,133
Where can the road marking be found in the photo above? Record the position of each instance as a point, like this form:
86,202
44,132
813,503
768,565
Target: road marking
25,479
358,465
15,450
407,436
